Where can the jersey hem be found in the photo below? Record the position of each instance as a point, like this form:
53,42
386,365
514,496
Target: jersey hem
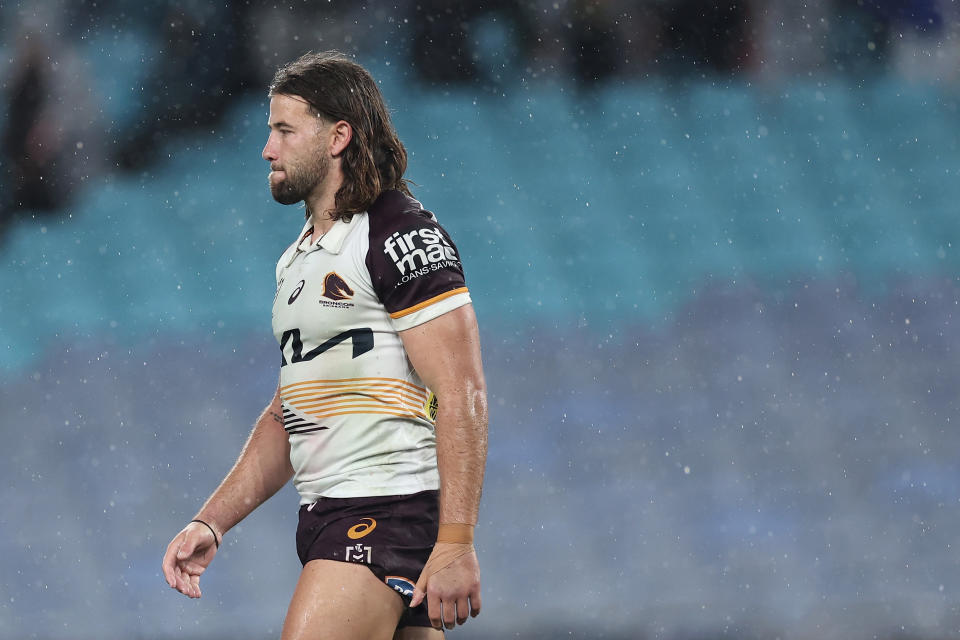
426,303
435,310
405,490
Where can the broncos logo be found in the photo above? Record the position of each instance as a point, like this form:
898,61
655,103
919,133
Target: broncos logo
336,288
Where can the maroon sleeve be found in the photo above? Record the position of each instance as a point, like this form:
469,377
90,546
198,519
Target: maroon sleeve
411,258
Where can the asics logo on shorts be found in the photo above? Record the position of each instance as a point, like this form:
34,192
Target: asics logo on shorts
358,531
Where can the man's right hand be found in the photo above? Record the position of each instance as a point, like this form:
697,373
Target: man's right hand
188,555
450,585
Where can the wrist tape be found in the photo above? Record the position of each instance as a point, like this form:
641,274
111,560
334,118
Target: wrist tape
455,532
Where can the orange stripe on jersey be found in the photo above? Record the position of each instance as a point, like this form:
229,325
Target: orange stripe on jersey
400,414
387,397
384,394
426,303
313,403
341,387
357,396
346,381
310,399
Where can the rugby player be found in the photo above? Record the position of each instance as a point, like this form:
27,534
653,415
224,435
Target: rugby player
380,415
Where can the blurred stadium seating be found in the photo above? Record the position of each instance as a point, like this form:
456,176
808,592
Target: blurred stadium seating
719,327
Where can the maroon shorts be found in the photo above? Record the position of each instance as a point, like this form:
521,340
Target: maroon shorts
392,535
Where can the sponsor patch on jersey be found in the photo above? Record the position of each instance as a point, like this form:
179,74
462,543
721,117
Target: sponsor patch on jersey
419,251
403,586
336,290
430,408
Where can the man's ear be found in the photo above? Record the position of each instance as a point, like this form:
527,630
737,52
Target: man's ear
340,136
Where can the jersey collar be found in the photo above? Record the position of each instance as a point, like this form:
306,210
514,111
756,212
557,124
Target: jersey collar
303,244
332,240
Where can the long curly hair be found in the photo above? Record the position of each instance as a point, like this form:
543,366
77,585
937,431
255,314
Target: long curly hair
337,88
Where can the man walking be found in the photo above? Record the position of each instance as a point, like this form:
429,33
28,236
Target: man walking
380,416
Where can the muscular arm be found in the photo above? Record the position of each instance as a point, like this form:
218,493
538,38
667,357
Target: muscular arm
446,354
261,470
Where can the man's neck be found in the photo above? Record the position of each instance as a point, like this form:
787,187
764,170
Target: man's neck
321,223
320,211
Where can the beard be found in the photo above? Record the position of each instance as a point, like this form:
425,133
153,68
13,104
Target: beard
300,180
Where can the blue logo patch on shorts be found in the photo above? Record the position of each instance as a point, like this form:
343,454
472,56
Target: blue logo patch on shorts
402,585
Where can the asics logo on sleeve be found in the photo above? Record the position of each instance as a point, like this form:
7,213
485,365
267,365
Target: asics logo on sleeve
417,249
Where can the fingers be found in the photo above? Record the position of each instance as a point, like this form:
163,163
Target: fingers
195,585
182,584
434,609
448,614
169,563
462,609
450,609
419,591
186,583
475,603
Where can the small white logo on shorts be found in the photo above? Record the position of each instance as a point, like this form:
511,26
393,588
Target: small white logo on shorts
359,553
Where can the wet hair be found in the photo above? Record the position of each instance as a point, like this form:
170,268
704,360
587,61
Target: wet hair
337,88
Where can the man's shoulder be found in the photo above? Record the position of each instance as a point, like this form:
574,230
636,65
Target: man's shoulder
410,257
396,211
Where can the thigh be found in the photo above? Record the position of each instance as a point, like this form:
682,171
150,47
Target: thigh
341,601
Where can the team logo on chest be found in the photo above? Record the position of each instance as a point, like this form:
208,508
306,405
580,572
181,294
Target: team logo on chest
335,288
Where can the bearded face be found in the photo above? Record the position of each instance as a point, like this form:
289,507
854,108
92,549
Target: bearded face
300,177
295,150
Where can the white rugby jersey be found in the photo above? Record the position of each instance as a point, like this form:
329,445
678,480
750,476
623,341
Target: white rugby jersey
359,418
